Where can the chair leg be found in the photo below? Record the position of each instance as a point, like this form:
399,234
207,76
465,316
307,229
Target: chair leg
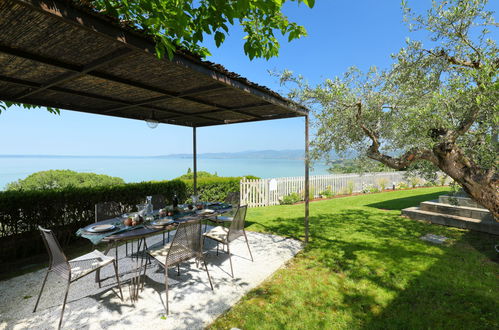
207,272
117,278
247,244
43,286
64,303
139,243
230,260
97,272
217,248
178,269
166,290
116,251
144,276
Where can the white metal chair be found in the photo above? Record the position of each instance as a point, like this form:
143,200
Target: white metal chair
74,269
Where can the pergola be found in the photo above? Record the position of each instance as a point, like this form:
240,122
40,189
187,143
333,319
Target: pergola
60,54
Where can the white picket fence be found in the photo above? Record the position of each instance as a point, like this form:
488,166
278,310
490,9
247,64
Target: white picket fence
264,192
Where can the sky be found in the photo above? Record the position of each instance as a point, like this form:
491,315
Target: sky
341,34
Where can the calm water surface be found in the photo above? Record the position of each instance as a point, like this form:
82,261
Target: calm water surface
144,169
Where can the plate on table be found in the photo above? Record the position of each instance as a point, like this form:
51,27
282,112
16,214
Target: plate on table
100,228
205,211
162,222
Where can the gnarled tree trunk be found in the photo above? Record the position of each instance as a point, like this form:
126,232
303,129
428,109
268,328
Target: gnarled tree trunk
482,185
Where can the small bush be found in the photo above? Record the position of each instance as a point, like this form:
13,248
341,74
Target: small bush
414,181
350,185
382,183
328,193
443,179
370,188
402,185
290,199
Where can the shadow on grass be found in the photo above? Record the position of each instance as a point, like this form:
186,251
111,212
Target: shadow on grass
432,286
402,203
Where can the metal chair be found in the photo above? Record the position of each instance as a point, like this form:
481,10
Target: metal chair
74,269
185,245
158,202
223,220
225,235
107,210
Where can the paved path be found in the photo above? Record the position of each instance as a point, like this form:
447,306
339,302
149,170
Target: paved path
192,303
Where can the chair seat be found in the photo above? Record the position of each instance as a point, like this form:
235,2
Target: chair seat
161,252
224,219
88,263
218,233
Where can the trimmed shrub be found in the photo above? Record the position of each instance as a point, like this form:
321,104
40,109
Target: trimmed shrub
214,189
290,199
60,179
64,211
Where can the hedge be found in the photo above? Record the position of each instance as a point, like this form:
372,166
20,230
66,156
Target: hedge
214,189
64,211
68,209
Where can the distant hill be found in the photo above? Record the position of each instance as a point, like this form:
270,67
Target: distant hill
291,154
253,154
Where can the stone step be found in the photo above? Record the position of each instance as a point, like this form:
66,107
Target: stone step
417,213
462,211
459,200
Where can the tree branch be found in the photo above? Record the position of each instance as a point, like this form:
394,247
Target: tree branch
402,162
465,124
396,163
454,60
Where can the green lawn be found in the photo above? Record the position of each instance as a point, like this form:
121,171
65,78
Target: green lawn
366,267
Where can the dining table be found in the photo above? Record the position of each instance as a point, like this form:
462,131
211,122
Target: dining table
117,232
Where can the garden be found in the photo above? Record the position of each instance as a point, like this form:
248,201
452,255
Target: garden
366,267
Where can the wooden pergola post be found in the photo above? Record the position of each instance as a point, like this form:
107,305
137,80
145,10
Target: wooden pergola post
194,160
307,188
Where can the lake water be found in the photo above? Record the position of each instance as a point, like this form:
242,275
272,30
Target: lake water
147,168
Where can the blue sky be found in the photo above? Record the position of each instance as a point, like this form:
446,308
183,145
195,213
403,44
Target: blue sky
341,34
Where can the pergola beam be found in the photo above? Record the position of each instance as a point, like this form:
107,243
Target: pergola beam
210,112
195,91
194,161
29,84
131,39
67,76
79,71
307,179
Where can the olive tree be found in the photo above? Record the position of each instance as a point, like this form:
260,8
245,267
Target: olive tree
437,104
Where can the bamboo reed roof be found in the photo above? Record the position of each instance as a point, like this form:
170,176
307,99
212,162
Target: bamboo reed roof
59,54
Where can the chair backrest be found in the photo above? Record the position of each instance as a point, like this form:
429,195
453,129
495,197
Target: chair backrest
232,198
186,243
158,202
236,228
107,210
58,262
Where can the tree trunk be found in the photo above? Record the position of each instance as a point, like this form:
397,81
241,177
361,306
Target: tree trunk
480,184
483,188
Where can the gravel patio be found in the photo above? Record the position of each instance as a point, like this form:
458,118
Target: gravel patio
192,303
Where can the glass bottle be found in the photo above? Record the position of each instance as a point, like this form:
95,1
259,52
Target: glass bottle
175,200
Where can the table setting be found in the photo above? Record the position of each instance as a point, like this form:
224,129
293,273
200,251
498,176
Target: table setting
151,220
